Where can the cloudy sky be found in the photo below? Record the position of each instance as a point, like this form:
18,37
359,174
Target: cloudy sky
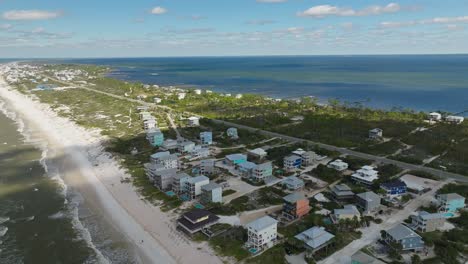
105,28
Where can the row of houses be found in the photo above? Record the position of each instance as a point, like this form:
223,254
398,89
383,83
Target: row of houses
436,117
247,169
300,158
153,134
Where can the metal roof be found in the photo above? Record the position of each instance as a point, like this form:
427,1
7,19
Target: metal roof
369,196
262,223
211,186
294,197
315,236
400,232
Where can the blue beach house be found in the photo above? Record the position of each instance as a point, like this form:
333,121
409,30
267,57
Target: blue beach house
394,188
450,202
292,162
206,138
155,137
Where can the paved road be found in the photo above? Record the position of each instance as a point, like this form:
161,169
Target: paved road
403,165
372,234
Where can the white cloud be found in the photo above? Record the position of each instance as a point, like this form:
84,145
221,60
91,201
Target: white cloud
271,1
30,15
158,10
329,10
5,26
261,22
436,20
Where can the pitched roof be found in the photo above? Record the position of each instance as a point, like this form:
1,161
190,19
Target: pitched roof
248,165
393,184
428,216
294,197
292,158
315,236
199,179
400,231
347,210
293,180
369,196
262,223
211,186
236,156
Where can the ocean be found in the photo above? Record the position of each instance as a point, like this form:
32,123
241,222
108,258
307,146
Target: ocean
42,220
419,82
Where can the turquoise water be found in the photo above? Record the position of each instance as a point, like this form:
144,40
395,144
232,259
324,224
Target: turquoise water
449,215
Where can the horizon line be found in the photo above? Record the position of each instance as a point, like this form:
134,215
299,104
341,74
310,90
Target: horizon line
235,56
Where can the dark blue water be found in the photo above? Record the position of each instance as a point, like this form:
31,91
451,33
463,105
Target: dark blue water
420,82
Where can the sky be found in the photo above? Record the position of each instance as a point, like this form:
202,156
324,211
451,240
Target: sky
160,28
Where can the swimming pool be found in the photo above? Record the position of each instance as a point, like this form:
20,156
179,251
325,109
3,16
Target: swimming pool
449,215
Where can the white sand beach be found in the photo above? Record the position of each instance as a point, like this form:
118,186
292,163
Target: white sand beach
98,177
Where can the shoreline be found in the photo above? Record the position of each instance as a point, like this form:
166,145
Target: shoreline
96,175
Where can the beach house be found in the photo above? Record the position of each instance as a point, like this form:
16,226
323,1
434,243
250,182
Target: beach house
155,137
165,160
261,233
206,138
368,202
185,146
235,159
404,236
427,222
149,124
245,169
315,239
262,171
295,205
161,178
348,212
375,133
342,192
338,165
197,91
193,186
207,167
394,188
193,121
211,193
455,119
169,144
200,152
196,220
309,158
179,183
434,116
292,162
257,154
181,96
232,133
366,175
293,183
450,202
